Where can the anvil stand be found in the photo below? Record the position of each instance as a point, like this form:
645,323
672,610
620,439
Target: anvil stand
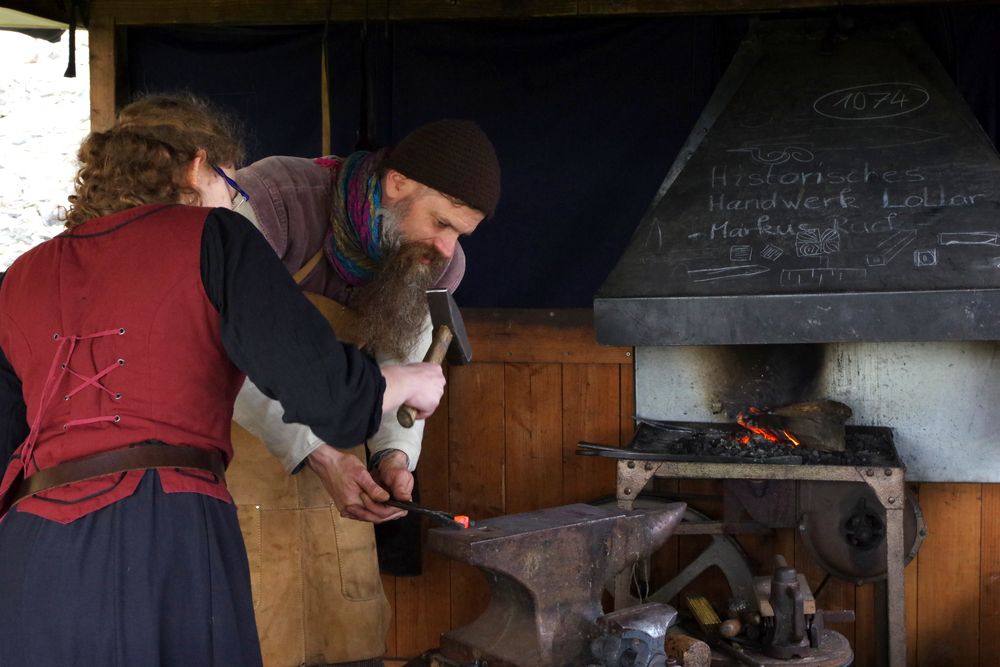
888,484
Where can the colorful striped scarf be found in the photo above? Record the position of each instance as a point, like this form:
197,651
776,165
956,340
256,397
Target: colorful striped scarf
354,242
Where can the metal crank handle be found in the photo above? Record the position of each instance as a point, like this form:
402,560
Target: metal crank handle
435,355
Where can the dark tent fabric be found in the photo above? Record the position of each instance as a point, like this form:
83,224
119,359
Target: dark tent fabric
269,78
587,114
965,41
586,117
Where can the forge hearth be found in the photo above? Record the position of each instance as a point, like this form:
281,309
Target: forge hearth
725,443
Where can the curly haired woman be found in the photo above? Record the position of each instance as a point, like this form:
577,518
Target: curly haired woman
123,342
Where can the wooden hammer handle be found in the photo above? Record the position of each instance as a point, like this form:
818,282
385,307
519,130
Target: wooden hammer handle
435,355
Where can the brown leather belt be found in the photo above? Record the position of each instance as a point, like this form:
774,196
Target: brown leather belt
139,457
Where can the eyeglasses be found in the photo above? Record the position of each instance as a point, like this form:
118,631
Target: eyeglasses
241,194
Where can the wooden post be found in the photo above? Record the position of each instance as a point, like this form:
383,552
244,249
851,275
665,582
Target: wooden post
324,94
102,72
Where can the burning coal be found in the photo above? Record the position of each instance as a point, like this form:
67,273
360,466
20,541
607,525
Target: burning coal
816,424
749,421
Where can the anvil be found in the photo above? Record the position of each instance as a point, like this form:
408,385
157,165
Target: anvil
547,570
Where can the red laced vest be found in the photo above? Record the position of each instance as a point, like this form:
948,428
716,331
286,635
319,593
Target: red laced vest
115,342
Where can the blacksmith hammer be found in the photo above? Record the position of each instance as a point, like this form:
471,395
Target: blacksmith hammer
449,341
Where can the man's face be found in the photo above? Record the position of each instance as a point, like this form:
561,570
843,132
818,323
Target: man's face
428,217
421,227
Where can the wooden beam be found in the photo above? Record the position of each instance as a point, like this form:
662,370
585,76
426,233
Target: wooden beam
989,582
250,12
50,9
102,73
591,401
949,577
423,604
257,12
236,12
654,7
324,101
479,9
476,458
533,426
539,336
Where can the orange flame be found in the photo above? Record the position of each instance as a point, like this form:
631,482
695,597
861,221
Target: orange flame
774,436
759,430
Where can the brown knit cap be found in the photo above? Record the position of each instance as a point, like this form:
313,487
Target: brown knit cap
455,157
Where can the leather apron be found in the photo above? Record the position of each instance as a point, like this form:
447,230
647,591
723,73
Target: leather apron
317,590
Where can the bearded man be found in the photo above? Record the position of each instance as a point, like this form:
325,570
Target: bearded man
365,236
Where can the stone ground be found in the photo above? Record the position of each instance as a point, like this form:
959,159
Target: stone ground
43,118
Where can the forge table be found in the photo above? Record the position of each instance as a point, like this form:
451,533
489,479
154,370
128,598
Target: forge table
637,468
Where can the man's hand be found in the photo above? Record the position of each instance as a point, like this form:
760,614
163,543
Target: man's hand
418,385
351,487
394,474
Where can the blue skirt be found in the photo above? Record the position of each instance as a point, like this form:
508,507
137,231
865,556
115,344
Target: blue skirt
155,579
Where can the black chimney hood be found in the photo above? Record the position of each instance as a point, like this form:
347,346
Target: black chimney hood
834,189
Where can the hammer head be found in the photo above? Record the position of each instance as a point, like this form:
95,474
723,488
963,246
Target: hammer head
445,312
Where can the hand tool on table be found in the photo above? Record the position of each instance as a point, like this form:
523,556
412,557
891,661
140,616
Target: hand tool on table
446,518
450,341
710,624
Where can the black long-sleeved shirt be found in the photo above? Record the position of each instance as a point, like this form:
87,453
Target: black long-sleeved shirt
271,332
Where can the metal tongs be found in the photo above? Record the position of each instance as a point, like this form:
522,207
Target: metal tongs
446,518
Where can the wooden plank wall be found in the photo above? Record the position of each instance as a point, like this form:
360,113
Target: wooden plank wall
503,442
